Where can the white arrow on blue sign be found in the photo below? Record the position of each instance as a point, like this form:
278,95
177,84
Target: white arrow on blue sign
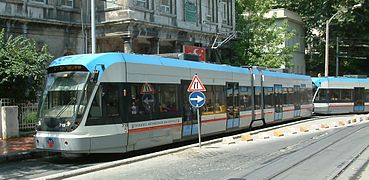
197,99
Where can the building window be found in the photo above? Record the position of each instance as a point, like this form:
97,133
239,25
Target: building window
190,10
40,1
166,6
68,3
227,12
111,3
142,3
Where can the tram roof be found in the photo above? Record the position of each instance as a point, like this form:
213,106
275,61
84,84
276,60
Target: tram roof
90,61
319,80
284,75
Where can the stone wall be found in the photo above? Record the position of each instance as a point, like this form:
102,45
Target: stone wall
9,122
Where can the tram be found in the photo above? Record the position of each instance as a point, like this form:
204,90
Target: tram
339,95
116,102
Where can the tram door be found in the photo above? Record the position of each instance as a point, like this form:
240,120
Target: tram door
124,103
278,105
233,103
359,99
189,115
297,100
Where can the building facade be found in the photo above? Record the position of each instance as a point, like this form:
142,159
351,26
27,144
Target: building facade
131,26
297,26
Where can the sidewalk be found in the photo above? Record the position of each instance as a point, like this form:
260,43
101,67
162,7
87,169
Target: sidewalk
17,149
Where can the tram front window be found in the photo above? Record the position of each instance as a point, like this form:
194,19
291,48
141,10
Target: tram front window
64,100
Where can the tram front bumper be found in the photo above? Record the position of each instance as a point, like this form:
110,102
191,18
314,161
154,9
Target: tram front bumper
62,142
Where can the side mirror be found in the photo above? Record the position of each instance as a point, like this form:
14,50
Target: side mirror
94,75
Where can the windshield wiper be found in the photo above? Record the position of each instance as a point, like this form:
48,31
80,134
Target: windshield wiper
73,99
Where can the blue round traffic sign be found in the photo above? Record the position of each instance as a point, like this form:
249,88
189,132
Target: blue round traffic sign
197,99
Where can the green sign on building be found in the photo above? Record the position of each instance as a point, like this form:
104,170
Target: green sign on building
190,10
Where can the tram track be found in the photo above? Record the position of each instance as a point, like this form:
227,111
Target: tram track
303,154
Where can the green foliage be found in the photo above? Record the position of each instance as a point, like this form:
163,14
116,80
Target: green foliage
351,26
22,67
31,117
260,40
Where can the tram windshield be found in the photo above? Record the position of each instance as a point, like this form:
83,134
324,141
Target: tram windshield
64,100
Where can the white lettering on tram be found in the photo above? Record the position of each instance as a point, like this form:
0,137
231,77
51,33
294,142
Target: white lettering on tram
145,124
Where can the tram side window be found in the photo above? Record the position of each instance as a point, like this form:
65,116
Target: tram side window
268,97
257,96
287,96
309,95
346,95
142,101
209,107
219,101
105,106
322,96
111,99
334,95
168,99
367,95
153,101
96,110
303,94
245,98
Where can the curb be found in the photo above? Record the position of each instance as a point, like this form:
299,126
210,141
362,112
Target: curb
18,156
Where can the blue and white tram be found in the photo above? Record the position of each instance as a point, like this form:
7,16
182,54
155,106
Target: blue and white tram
115,102
338,95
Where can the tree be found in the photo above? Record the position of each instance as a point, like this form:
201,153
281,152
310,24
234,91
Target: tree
350,25
22,67
259,39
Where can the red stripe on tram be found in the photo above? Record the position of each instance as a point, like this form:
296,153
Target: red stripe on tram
153,128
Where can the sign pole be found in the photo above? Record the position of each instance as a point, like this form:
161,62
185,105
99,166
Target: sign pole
198,125
197,100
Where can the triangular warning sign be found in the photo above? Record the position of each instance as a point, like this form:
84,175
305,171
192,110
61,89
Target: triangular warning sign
147,89
196,85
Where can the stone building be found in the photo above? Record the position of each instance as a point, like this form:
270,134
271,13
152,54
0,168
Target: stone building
132,26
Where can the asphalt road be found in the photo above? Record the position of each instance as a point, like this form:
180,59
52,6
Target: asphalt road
334,153
323,154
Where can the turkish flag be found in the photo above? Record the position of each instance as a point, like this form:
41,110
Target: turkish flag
200,51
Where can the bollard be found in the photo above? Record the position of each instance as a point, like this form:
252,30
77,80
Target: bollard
354,119
246,137
323,125
303,129
278,133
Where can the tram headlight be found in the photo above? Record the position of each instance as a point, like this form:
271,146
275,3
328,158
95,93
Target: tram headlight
68,123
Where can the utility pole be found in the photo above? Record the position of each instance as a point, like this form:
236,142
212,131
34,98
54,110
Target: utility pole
93,26
327,39
337,54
